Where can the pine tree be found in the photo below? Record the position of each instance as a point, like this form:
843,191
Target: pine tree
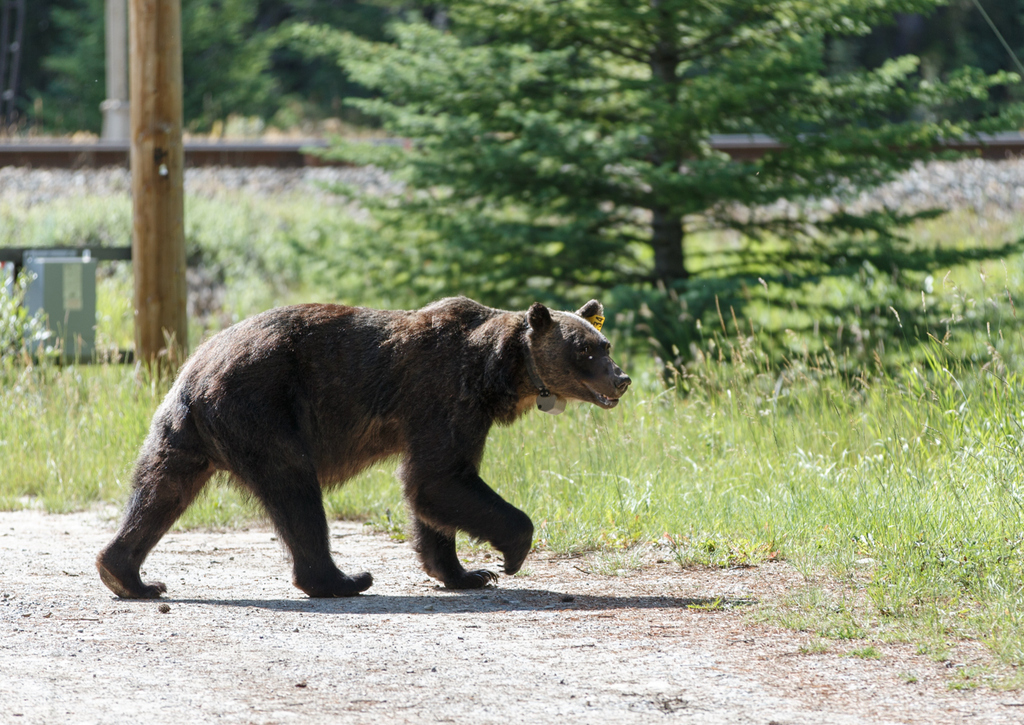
560,143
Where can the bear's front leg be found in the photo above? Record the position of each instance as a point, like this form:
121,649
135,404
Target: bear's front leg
448,500
441,561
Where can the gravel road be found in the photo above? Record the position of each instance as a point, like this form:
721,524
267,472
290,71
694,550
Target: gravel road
562,643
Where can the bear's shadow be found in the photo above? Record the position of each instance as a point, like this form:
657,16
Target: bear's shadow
495,600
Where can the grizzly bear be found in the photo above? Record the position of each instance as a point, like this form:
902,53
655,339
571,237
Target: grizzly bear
303,397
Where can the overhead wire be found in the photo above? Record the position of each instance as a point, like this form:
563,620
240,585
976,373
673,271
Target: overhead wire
999,35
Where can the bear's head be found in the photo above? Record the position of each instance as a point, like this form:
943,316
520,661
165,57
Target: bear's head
571,358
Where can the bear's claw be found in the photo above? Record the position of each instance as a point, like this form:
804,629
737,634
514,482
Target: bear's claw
477,579
336,585
514,558
152,590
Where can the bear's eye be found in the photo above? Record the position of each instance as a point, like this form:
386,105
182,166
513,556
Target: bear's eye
585,350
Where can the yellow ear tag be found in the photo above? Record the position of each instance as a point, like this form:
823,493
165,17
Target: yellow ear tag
596,321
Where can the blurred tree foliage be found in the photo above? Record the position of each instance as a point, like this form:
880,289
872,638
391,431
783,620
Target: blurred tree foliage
233,63
562,148
953,36
62,64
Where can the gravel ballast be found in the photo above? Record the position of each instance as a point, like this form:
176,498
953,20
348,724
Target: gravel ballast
978,184
25,186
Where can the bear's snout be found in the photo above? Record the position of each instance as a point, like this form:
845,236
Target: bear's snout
614,385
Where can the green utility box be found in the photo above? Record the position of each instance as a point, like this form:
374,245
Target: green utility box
64,287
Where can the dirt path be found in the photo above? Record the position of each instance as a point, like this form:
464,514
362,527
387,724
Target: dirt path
561,644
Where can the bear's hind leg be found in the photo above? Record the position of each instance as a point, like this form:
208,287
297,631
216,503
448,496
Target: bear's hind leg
294,502
440,560
165,484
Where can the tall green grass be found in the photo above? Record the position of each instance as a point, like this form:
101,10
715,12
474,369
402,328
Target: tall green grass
68,435
252,245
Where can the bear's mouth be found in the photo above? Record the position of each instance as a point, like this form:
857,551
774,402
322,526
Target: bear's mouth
602,400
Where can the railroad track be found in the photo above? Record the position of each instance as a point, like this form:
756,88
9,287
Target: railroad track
63,155
296,154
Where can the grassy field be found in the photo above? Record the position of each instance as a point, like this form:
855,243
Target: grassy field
898,491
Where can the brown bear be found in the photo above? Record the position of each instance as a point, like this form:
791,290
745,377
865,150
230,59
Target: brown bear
303,397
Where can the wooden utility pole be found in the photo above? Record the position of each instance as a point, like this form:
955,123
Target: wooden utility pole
116,124
157,160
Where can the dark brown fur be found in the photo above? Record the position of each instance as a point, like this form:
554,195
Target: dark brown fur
303,397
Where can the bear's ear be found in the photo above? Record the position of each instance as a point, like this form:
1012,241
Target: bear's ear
590,309
538,317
